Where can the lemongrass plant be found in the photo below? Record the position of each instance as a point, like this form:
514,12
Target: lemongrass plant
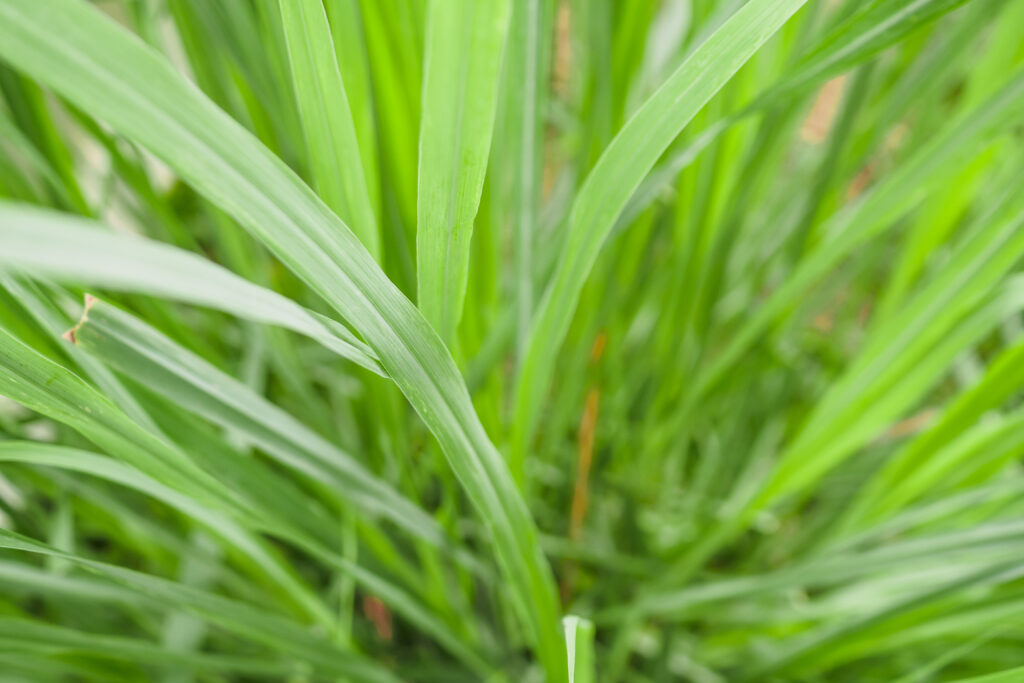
511,340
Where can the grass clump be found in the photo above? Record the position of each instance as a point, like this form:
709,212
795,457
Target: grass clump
712,374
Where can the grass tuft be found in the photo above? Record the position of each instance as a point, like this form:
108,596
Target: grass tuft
535,340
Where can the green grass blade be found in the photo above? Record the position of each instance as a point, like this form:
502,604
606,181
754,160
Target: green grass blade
70,249
999,539
1005,376
518,150
40,640
1008,676
262,562
338,172
350,47
854,41
837,426
137,350
815,642
241,618
618,173
57,324
93,590
893,197
579,642
211,473
48,388
465,40
864,33
277,522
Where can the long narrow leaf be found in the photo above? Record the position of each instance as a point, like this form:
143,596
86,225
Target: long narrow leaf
327,120
66,248
465,40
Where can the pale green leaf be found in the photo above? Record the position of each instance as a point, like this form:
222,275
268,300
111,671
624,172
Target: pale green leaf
465,40
338,172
